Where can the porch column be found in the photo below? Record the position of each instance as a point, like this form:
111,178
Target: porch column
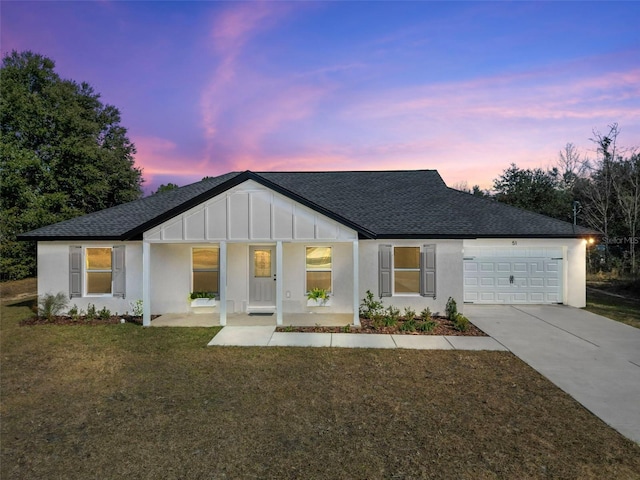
146,284
279,282
356,285
223,283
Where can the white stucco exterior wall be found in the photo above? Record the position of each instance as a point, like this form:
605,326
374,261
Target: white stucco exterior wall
448,274
53,274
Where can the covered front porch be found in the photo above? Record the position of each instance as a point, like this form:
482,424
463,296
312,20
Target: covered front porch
250,320
250,249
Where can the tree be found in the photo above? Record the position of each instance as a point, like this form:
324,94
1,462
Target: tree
626,184
597,190
535,190
476,191
63,154
166,188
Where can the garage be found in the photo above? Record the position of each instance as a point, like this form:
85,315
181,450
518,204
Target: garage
514,276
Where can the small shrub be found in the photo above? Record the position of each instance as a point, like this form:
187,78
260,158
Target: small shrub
73,312
451,309
136,308
409,314
104,314
289,328
346,328
392,316
426,326
370,308
378,320
408,326
461,323
425,315
91,312
50,305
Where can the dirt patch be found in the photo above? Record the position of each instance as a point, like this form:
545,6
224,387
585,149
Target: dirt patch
443,326
18,290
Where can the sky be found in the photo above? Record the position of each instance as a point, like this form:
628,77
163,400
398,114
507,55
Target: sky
466,88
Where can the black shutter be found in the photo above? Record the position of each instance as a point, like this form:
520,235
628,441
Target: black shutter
385,267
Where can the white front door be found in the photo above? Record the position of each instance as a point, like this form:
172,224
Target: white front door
262,276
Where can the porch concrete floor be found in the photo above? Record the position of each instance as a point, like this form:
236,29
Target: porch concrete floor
246,320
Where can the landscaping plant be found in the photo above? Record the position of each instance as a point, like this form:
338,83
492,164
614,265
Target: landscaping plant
370,308
451,309
50,305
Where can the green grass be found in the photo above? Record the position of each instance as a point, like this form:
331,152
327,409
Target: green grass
122,401
625,310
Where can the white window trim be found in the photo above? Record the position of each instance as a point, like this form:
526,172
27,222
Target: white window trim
206,270
393,271
86,271
306,290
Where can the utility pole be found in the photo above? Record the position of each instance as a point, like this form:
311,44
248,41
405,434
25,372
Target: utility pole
576,209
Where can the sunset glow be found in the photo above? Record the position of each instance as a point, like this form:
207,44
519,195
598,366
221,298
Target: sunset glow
465,88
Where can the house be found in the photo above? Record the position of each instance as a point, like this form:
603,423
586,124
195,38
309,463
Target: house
261,241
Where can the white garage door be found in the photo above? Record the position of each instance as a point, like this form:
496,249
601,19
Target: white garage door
509,279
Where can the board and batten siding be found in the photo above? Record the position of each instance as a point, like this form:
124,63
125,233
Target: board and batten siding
249,212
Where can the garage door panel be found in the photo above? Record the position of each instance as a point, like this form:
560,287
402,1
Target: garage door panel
536,282
513,279
520,267
487,282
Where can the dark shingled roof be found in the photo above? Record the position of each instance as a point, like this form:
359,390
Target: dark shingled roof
378,204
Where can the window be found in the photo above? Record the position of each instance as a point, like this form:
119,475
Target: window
206,270
318,268
406,270
99,270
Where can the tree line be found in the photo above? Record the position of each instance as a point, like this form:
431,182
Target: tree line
601,193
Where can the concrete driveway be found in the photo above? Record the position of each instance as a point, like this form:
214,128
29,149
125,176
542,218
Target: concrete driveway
592,358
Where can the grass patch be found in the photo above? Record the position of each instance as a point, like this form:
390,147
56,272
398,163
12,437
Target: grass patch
625,310
122,401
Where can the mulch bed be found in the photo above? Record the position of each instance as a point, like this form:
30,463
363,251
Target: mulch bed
443,326
65,320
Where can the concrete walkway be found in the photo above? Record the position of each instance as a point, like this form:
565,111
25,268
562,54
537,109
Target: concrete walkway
592,358
266,336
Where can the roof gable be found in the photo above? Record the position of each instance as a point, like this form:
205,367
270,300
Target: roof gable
249,211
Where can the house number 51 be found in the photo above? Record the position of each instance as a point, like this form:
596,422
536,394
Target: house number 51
514,242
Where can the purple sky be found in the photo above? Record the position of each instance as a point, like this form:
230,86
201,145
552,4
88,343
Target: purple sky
465,88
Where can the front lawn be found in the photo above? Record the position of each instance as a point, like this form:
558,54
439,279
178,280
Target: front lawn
122,401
